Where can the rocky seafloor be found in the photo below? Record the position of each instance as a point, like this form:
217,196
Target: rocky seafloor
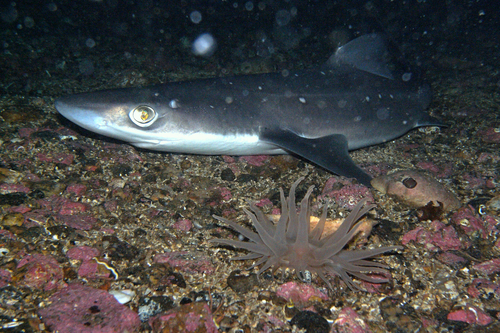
88,223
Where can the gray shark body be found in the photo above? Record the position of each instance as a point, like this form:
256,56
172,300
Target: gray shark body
355,100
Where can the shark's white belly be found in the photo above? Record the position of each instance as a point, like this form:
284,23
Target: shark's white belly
212,144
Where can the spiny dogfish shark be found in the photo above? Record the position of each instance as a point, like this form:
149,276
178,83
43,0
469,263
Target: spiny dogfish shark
357,99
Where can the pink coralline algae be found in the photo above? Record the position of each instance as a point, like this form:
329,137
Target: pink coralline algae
490,135
488,267
188,318
40,272
82,309
183,225
473,224
346,195
483,288
470,315
77,221
438,237
82,253
349,321
189,262
76,189
5,277
416,189
255,160
300,293
91,269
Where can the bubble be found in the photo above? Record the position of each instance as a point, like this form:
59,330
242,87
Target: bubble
249,6
52,7
262,5
90,43
406,77
9,14
86,67
195,17
204,45
29,22
283,17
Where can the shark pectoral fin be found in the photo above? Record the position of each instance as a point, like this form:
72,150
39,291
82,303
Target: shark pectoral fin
329,152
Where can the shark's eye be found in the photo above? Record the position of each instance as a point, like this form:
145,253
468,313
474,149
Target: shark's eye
143,116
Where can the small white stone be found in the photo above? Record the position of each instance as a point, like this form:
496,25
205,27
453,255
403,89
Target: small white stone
123,296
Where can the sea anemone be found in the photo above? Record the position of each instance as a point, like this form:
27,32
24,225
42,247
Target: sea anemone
291,244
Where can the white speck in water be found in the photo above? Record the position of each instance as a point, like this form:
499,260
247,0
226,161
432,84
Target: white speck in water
249,6
283,17
406,77
174,104
195,17
90,43
302,100
204,45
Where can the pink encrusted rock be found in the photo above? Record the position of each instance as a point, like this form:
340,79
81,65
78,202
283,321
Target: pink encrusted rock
72,208
77,189
300,293
471,315
188,318
490,135
349,321
189,262
440,237
61,158
255,160
77,221
472,223
25,132
346,194
450,258
22,209
5,278
483,288
41,272
264,202
82,309
428,166
225,193
183,225
7,234
415,189
474,182
111,205
91,269
13,188
82,253
488,267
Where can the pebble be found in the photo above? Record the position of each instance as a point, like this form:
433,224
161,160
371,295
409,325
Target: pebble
12,219
79,309
192,317
123,296
416,189
311,322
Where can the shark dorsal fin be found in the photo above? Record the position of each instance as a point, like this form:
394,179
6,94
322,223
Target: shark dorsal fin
368,53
